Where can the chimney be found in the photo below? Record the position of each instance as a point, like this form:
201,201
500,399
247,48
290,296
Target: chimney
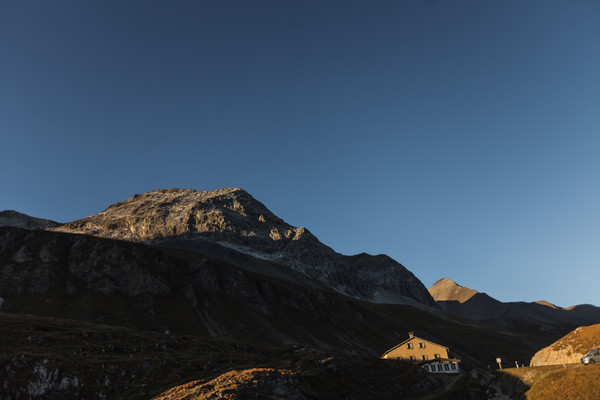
411,334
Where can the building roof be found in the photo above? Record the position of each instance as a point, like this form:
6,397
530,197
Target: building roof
412,337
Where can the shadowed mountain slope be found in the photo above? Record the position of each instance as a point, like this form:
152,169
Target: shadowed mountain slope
158,289
233,219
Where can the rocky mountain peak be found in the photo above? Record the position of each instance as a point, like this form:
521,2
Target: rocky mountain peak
177,212
448,290
233,219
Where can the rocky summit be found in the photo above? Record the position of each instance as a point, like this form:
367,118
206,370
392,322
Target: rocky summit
231,220
448,290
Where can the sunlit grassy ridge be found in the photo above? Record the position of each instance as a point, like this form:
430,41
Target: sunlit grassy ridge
570,348
581,340
575,382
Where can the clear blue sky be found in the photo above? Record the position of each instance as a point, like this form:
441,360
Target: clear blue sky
462,138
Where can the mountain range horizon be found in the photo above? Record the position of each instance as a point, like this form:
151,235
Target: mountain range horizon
177,266
81,226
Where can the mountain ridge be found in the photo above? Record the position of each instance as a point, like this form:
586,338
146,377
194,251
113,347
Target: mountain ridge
446,289
233,218
538,317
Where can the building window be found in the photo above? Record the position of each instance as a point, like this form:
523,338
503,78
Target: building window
413,358
409,346
439,367
437,356
446,367
425,358
422,345
427,368
453,366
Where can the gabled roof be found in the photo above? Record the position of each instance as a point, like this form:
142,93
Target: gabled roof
410,339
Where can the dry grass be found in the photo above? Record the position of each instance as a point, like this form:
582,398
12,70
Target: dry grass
581,340
575,382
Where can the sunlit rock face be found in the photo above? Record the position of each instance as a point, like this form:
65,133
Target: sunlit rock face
570,348
447,290
460,300
236,222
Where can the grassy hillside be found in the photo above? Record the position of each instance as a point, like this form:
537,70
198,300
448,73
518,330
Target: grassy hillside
581,340
570,348
575,382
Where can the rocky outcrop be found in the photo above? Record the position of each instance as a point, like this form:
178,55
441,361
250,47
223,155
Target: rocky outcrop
327,378
570,348
20,220
232,218
255,383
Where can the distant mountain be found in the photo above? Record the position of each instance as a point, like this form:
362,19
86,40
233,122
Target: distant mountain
20,220
447,290
585,311
570,348
547,304
541,317
222,222
463,301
